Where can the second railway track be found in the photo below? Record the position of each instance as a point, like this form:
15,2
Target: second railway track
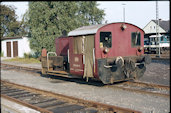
48,102
145,88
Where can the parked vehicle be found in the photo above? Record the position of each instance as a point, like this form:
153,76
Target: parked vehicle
152,46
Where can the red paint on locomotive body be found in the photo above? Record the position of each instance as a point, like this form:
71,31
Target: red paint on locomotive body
62,46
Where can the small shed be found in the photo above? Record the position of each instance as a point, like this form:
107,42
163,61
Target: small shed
15,46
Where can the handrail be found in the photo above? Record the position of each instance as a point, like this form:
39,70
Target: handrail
94,59
48,58
68,55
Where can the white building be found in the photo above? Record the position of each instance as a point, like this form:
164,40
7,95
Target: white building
15,46
152,43
150,28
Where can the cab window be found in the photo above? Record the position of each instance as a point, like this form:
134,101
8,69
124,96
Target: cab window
135,39
105,39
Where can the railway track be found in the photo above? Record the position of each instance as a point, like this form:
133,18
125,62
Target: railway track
162,56
9,66
145,88
139,87
49,102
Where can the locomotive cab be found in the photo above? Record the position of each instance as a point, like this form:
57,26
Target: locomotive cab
109,52
122,54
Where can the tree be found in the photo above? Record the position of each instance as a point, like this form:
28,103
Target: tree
24,26
47,20
89,12
9,25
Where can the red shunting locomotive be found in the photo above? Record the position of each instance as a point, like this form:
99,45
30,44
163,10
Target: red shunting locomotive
107,52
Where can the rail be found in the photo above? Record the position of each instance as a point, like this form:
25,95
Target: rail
55,101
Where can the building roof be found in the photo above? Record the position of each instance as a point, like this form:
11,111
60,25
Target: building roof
164,24
154,36
8,38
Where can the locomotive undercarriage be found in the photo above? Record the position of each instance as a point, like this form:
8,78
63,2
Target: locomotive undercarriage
120,69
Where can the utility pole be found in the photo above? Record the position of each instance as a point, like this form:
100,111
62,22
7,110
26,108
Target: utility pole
123,12
157,25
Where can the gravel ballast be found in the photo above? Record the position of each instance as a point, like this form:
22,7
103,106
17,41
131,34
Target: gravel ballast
113,96
157,72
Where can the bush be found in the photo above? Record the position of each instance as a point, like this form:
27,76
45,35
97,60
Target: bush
27,55
36,55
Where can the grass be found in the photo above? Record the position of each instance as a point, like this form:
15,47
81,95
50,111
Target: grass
2,54
23,60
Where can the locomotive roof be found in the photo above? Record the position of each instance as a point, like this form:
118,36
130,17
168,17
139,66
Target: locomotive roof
92,29
84,30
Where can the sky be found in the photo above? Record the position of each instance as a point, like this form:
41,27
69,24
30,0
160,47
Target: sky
139,13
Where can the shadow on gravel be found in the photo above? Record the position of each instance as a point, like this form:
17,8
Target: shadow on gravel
59,79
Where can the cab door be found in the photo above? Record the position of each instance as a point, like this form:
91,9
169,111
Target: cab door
88,56
76,55
81,55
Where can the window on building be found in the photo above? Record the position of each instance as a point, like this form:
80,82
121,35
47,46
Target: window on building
151,39
168,38
135,39
162,38
105,39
